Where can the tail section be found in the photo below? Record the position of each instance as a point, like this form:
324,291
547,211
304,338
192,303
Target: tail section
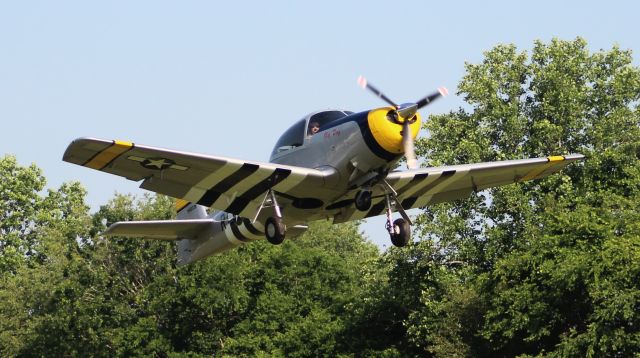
224,232
189,211
198,234
210,240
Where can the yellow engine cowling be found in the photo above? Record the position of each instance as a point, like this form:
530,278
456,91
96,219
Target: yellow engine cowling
388,132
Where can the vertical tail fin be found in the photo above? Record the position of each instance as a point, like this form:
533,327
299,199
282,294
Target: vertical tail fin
189,211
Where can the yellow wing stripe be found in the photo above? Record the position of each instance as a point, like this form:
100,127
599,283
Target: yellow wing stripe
181,204
535,172
106,156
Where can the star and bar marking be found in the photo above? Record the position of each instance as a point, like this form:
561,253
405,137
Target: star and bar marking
157,163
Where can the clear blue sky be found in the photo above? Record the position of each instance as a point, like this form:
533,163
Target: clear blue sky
226,78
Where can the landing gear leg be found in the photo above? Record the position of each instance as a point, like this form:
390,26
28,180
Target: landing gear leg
274,228
399,230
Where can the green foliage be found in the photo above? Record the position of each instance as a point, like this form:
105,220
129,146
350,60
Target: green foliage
378,325
301,291
19,200
41,240
85,295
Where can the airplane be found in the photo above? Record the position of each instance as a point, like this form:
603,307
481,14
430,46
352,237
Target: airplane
333,164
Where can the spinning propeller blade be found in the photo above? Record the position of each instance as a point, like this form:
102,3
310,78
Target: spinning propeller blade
364,84
442,91
406,113
407,143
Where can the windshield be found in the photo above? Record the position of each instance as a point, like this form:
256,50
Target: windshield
293,137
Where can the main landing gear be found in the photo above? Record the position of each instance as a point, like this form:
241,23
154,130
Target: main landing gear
274,228
400,229
400,232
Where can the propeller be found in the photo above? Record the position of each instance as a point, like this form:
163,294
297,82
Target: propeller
403,114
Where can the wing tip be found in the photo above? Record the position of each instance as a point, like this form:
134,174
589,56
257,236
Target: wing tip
569,157
79,143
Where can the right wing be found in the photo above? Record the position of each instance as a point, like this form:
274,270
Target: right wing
420,187
428,186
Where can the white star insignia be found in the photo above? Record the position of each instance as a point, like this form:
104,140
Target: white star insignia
158,163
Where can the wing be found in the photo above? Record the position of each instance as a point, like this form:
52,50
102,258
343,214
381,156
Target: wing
226,184
421,187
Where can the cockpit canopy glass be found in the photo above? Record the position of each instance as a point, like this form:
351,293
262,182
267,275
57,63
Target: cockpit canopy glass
321,119
295,135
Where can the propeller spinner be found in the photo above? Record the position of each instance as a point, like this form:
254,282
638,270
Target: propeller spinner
403,114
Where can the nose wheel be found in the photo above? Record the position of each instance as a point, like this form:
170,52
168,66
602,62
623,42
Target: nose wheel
363,200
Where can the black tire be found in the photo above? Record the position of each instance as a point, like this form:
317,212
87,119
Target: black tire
274,230
401,233
363,200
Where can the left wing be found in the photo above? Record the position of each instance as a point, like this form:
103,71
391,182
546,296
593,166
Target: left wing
226,184
427,186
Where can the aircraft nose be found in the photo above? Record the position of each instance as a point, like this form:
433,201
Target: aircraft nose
386,126
407,110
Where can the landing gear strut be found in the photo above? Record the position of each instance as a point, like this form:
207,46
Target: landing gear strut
399,230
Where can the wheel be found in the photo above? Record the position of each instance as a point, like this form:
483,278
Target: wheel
401,233
363,200
274,230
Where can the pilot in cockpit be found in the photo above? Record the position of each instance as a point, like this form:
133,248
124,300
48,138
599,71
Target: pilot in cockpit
314,127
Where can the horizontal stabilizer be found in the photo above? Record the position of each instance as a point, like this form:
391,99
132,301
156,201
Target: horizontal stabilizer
159,229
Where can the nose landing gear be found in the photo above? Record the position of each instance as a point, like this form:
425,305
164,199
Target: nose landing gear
363,200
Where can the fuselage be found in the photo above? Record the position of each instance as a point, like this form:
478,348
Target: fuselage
358,147
355,149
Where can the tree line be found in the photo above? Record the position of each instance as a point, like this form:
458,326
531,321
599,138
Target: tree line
549,267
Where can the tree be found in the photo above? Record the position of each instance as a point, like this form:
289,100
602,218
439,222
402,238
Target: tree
39,238
77,293
538,257
19,201
302,292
